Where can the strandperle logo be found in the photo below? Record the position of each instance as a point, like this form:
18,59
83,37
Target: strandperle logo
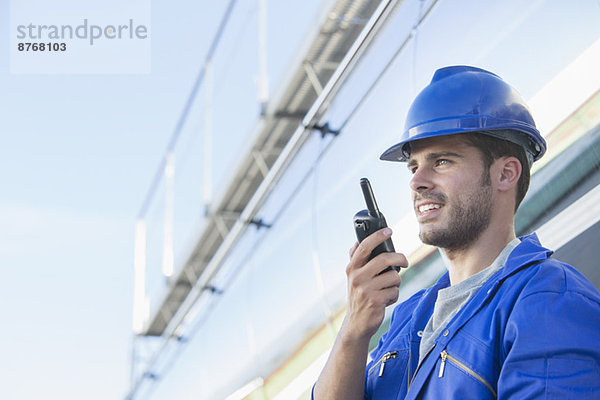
85,31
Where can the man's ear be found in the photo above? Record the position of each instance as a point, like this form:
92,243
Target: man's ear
509,171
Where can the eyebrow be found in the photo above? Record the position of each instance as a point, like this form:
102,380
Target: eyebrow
432,156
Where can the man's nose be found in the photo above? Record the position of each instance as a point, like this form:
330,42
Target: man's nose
421,180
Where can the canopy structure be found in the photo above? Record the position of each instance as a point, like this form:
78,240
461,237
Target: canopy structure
285,113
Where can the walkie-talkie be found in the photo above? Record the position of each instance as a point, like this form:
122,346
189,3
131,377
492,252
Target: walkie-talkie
371,220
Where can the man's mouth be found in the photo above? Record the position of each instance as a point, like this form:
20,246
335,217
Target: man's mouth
426,208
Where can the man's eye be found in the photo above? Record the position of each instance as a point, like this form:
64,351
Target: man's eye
442,162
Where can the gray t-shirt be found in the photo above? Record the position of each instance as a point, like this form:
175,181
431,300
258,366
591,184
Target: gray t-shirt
451,299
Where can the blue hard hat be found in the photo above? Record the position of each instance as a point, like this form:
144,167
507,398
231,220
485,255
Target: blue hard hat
463,99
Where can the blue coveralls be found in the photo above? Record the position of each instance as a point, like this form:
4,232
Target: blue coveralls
531,331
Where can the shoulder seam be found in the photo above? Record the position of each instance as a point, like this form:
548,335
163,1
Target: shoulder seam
575,292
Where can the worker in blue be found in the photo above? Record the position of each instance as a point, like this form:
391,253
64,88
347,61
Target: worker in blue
507,321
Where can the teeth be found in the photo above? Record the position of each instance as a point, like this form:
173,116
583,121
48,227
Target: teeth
427,207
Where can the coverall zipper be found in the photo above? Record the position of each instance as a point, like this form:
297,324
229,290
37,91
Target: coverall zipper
445,356
387,356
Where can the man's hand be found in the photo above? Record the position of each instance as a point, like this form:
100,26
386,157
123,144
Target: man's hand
369,293
369,290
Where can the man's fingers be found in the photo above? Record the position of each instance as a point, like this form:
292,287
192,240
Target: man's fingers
370,277
391,294
382,297
359,256
353,249
384,260
364,249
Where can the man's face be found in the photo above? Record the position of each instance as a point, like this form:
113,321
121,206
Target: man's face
452,193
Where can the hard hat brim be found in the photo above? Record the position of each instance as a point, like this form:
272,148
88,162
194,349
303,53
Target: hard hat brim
524,135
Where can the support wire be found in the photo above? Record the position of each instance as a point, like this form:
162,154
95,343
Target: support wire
186,110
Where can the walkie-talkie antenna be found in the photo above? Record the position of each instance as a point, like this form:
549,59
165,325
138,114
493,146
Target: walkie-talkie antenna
369,198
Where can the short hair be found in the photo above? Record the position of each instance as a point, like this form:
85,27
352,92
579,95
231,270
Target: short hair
493,148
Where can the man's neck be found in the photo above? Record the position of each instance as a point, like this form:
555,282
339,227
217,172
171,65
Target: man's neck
479,255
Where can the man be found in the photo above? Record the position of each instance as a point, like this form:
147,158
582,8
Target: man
507,320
